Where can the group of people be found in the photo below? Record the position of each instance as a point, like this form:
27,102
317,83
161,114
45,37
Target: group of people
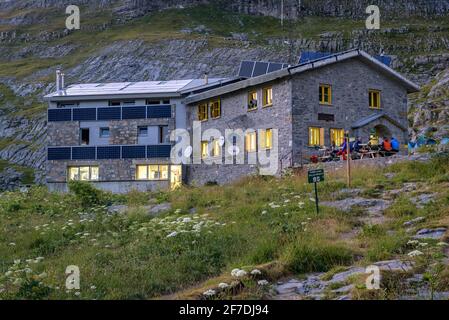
385,145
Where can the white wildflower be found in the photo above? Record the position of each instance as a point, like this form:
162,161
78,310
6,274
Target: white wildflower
93,287
173,234
234,272
17,261
256,272
77,293
442,244
8,273
209,293
423,244
185,220
240,273
412,242
177,211
264,212
415,253
12,244
262,282
223,285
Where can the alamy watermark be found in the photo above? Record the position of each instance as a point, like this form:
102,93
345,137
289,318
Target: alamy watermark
373,280
373,21
72,281
73,21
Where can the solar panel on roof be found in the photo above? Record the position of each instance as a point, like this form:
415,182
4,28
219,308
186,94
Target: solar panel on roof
133,113
133,152
260,68
246,69
274,67
85,114
250,69
110,152
59,153
59,114
308,56
83,153
111,113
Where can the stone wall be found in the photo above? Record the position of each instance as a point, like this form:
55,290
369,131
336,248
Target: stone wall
235,115
350,81
65,133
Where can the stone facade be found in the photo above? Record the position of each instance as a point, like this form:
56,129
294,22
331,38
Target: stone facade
117,175
351,81
296,107
235,115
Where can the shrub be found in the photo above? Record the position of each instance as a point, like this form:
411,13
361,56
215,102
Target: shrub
86,193
316,257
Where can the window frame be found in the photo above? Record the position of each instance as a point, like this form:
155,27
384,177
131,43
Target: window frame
213,106
204,149
266,139
371,94
159,172
320,137
265,95
250,99
248,137
90,167
102,129
216,146
331,135
321,95
114,103
139,128
203,115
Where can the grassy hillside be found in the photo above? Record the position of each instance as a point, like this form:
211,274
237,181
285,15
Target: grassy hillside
263,223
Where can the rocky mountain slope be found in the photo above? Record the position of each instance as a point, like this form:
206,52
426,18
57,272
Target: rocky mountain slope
132,40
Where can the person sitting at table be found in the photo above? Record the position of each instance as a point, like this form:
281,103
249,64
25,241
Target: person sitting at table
395,145
356,145
342,151
386,145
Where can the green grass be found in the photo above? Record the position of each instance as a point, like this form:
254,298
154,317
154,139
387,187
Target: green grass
256,222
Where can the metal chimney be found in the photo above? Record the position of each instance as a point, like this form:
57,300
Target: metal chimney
62,81
58,80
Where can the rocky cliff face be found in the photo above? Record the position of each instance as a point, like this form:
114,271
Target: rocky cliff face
114,44
429,114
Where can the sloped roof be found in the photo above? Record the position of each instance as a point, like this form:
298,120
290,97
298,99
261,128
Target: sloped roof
304,67
365,121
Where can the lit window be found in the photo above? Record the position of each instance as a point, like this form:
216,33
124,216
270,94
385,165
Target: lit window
104,133
374,99
337,137
316,137
251,142
267,97
204,149
152,172
202,112
215,109
83,173
325,94
142,173
216,148
252,100
266,139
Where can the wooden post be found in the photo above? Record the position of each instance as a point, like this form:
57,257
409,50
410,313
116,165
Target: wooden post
348,153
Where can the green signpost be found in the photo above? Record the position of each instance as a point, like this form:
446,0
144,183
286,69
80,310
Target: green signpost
315,176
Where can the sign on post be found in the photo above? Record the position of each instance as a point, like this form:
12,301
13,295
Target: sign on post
316,176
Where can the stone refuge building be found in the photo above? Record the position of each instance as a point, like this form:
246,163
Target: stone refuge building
120,135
